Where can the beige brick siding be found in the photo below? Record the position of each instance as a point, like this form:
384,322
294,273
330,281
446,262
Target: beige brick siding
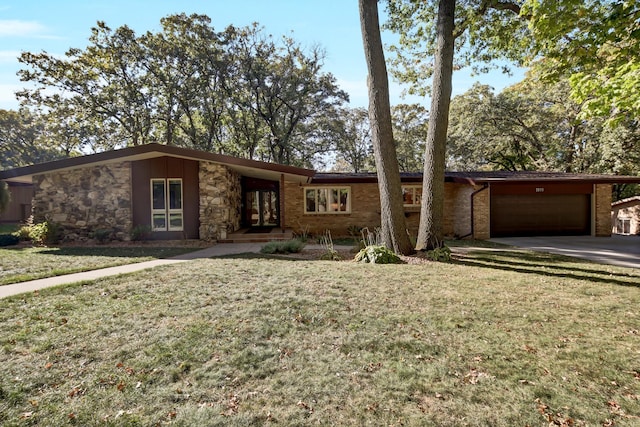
482,214
365,210
602,209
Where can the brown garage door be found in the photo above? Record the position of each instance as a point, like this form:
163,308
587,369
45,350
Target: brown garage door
540,215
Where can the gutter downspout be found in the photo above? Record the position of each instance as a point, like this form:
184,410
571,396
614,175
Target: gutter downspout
472,197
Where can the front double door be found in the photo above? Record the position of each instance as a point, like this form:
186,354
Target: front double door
261,203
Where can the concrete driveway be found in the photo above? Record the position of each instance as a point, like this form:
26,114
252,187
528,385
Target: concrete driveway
615,250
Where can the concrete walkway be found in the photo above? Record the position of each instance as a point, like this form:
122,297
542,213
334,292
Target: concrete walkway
615,250
213,251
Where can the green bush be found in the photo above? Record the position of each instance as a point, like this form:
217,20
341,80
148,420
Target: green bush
285,247
102,234
140,232
43,233
442,254
9,239
377,254
23,232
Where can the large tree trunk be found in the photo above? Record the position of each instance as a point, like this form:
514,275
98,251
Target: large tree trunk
394,230
430,233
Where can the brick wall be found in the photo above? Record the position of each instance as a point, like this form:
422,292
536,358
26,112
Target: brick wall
461,195
365,210
220,201
602,210
481,215
83,200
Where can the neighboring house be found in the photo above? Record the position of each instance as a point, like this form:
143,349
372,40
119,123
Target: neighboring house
625,216
182,193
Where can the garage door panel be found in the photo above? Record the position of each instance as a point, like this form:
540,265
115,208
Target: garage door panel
529,215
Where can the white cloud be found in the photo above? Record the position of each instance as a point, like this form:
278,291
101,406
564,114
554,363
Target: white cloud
17,28
8,99
9,56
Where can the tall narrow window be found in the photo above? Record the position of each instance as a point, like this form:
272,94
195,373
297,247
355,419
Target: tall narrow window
166,204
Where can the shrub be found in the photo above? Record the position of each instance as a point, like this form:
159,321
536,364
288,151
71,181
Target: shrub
9,239
43,233
377,254
442,254
140,232
285,247
23,232
102,234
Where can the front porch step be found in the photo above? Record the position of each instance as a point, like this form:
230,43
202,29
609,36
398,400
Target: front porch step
242,236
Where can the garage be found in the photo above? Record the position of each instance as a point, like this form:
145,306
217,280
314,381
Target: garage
540,209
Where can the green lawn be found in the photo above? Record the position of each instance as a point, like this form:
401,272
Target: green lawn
498,338
22,264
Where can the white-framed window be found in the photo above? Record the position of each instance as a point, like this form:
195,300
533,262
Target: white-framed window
166,204
412,195
623,226
327,200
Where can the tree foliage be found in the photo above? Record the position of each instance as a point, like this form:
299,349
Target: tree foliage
23,140
236,91
534,125
596,43
353,139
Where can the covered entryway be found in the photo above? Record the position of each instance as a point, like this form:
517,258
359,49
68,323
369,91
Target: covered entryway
261,203
540,210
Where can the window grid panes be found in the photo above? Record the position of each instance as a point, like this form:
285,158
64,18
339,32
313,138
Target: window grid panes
412,195
327,200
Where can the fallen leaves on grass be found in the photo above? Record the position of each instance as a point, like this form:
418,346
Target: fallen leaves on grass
554,419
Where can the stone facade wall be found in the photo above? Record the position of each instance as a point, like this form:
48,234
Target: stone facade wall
220,201
365,210
602,210
83,200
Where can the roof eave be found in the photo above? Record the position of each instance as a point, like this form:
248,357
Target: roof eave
141,152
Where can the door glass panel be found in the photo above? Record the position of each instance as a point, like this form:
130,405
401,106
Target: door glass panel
158,194
159,221
175,194
175,221
270,204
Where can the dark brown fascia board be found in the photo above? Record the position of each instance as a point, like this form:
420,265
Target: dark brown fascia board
359,178
593,179
148,151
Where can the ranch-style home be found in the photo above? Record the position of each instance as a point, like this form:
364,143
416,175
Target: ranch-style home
179,193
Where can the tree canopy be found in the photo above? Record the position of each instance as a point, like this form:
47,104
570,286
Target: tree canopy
237,91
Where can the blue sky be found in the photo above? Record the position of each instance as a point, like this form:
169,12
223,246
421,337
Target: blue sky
55,26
